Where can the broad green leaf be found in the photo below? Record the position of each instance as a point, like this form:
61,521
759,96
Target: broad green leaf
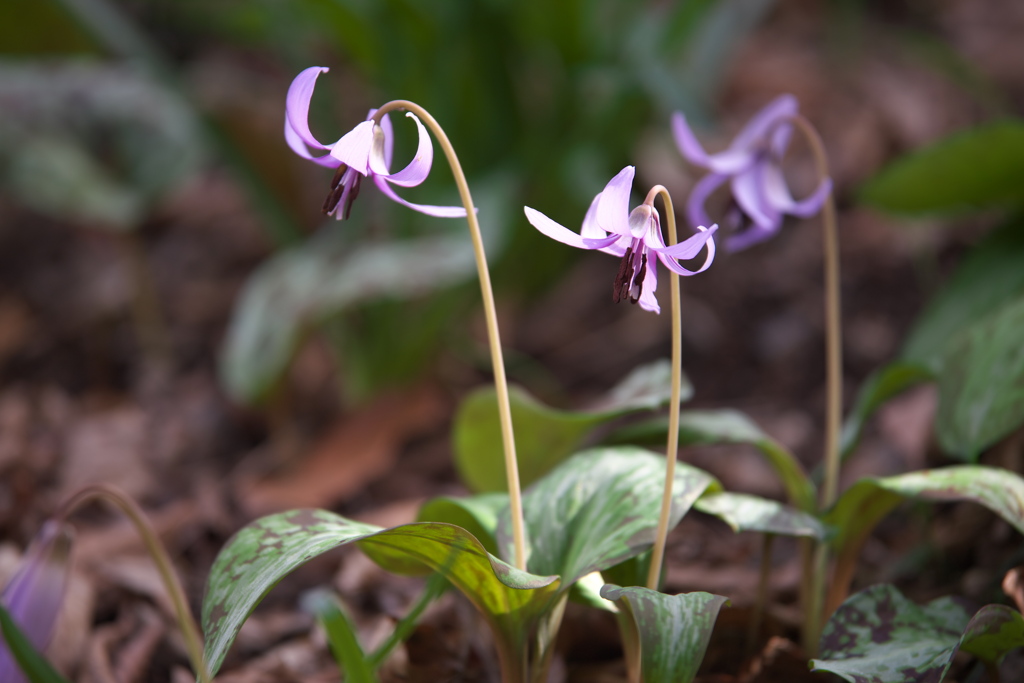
262,553
673,630
981,386
598,509
745,512
341,635
476,514
706,427
545,436
300,288
861,506
989,278
32,663
878,635
883,384
972,169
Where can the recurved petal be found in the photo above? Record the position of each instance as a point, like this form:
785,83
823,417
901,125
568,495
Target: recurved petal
34,595
696,210
671,263
777,194
353,149
748,189
430,210
418,169
613,203
299,147
691,246
732,160
773,114
296,108
555,231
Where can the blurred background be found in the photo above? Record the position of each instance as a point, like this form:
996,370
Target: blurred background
178,318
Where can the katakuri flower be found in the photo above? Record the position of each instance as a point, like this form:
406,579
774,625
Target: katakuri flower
34,594
753,166
365,151
609,226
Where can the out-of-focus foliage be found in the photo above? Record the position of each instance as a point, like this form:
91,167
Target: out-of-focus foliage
92,143
968,337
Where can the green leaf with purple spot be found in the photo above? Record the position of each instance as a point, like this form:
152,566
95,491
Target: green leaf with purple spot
744,512
673,630
878,636
264,552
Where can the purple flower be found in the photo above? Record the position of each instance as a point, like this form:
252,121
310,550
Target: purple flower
753,166
33,596
365,151
609,226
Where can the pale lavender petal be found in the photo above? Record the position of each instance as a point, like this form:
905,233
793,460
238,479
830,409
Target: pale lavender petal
35,593
601,243
295,142
439,211
553,230
729,161
353,149
618,248
648,297
778,110
754,234
672,265
389,136
691,246
418,169
695,209
296,108
613,203
777,194
748,191
590,227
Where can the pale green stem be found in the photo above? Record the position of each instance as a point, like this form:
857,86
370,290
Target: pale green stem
761,601
672,447
814,614
498,363
156,550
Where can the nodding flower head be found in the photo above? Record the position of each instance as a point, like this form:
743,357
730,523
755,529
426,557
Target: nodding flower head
34,594
752,164
363,152
633,236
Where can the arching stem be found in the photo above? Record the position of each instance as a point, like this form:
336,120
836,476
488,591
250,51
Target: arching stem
156,550
672,446
500,383
813,612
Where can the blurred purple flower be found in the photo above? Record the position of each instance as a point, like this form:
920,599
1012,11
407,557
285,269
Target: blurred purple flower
365,151
753,166
609,226
34,594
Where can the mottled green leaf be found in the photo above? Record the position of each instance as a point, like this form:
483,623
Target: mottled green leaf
861,506
262,553
972,169
883,384
598,509
476,514
545,436
706,427
32,663
981,386
299,288
878,636
989,278
744,512
673,630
